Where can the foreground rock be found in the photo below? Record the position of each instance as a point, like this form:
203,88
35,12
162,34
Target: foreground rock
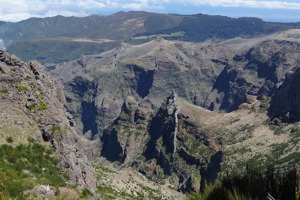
32,97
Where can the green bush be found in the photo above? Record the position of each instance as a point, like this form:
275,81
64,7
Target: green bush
32,107
253,185
85,193
9,139
22,88
54,128
43,106
5,90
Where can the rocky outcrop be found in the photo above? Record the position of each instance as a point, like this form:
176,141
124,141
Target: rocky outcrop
124,140
160,144
40,97
285,104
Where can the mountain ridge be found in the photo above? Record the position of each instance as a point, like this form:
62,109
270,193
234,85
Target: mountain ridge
133,27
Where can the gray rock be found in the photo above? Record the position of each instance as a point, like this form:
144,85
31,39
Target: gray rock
37,136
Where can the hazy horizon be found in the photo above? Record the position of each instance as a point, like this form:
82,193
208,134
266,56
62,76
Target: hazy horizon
268,10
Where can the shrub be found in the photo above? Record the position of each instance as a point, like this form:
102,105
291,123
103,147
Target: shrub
86,193
32,107
43,106
54,128
22,88
253,185
5,90
9,139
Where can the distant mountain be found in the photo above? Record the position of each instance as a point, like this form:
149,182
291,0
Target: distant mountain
41,39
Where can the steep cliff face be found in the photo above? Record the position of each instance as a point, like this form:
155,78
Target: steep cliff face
124,140
178,148
285,102
148,71
165,146
31,96
255,72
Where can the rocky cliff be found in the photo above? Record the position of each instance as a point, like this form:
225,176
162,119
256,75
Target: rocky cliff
285,102
33,104
164,145
99,84
254,72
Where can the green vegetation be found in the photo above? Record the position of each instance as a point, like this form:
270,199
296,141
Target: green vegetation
23,167
40,96
32,107
247,128
108,193
9,139
196,147
12,69
43,106
22,88
57,50
33,85
85,193
171,35
253,185
5,90
55,129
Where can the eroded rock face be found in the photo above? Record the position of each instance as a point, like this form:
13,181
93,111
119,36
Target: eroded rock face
28,87
285,104
256,72
161,144
124,140
145,72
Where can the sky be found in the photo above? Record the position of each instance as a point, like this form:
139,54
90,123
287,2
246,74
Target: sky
268,10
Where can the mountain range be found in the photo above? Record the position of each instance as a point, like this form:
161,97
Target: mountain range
60,39
142,105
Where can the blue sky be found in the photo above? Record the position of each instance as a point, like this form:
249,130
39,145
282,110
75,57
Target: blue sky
269,10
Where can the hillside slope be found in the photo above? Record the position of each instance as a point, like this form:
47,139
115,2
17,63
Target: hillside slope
33,111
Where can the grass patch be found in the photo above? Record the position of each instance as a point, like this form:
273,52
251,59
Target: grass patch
43,106
32,107
5,90
57,130
22,88
85,193
247,128
33,85
25,166
108,193
171,35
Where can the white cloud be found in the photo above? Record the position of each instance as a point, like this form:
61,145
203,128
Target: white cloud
246,3
16,10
